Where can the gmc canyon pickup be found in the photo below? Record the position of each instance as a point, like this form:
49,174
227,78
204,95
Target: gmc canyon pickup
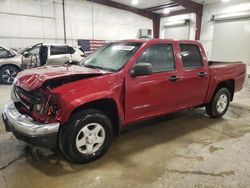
79,108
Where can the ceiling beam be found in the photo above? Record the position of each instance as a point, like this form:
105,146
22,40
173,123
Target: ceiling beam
190,5
160,7
198,27
156,25
113,4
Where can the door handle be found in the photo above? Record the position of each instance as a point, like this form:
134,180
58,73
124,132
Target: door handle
202,74
173,78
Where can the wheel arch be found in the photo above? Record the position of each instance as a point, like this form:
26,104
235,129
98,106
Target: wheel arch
229,84
10,64
108,106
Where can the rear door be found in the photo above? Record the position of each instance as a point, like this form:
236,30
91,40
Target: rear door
154,94
59,54
195,79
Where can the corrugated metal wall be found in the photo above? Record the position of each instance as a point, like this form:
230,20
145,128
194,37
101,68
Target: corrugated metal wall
26,22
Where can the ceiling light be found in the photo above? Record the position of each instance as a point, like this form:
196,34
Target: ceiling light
166,11
225,1
134,2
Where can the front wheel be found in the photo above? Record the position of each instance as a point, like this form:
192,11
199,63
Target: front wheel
86,137
219,104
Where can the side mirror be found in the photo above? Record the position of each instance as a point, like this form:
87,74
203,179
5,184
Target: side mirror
141,69
26,54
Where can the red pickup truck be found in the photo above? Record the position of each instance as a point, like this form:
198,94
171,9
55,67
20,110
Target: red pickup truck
81,107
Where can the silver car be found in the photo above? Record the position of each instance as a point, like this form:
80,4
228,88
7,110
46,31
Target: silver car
38,55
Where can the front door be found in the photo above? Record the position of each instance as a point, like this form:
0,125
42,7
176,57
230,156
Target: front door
152,94
31,57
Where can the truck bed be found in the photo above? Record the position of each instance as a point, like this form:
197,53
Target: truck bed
220,70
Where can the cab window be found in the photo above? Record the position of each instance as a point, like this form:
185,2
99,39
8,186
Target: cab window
35,50
191,56
160,56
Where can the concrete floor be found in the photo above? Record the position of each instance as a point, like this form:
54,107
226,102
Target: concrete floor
184,149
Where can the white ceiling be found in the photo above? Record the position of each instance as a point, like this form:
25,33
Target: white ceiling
151,3
144,3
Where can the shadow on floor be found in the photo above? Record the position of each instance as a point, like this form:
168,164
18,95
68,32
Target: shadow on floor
134,139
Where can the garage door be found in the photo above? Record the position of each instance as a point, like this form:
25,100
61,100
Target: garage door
232,41
180,32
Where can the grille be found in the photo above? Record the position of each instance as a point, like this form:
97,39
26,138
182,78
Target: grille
24,97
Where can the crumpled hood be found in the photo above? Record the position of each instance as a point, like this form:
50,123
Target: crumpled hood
34,78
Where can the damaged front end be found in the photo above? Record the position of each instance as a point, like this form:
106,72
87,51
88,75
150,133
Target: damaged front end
39,101
38,109
40,104
33,116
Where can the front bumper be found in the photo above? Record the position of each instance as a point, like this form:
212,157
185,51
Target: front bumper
28,130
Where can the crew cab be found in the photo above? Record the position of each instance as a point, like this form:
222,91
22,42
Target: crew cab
38,55
81,107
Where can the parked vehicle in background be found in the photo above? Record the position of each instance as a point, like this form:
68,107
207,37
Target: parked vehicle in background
38,55
81,107
6,52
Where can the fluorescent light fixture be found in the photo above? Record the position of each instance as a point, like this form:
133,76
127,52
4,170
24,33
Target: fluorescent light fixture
134,2
166,11
225,1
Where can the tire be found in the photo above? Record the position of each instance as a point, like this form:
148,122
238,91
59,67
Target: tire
80,141
219,104
8,74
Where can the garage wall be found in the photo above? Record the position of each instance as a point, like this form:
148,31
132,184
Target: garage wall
178,32
26,22
227,41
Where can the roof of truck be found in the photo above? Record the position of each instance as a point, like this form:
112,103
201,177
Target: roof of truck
158,40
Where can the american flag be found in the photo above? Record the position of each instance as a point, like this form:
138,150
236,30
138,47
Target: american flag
89,46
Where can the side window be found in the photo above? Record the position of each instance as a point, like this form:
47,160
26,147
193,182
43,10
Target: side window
4,53
161,56
57,50
35,50
191,56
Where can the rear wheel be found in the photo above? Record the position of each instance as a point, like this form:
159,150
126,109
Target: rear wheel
219,104
86,137
8,74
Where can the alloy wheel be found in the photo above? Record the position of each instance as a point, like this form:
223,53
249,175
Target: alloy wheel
90,138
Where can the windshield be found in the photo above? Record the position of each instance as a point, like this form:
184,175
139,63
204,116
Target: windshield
24,50
112,56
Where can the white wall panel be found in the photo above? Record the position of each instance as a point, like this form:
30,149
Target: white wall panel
25,22
179,32
207,30
227,41
9,25
31,27
232,41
